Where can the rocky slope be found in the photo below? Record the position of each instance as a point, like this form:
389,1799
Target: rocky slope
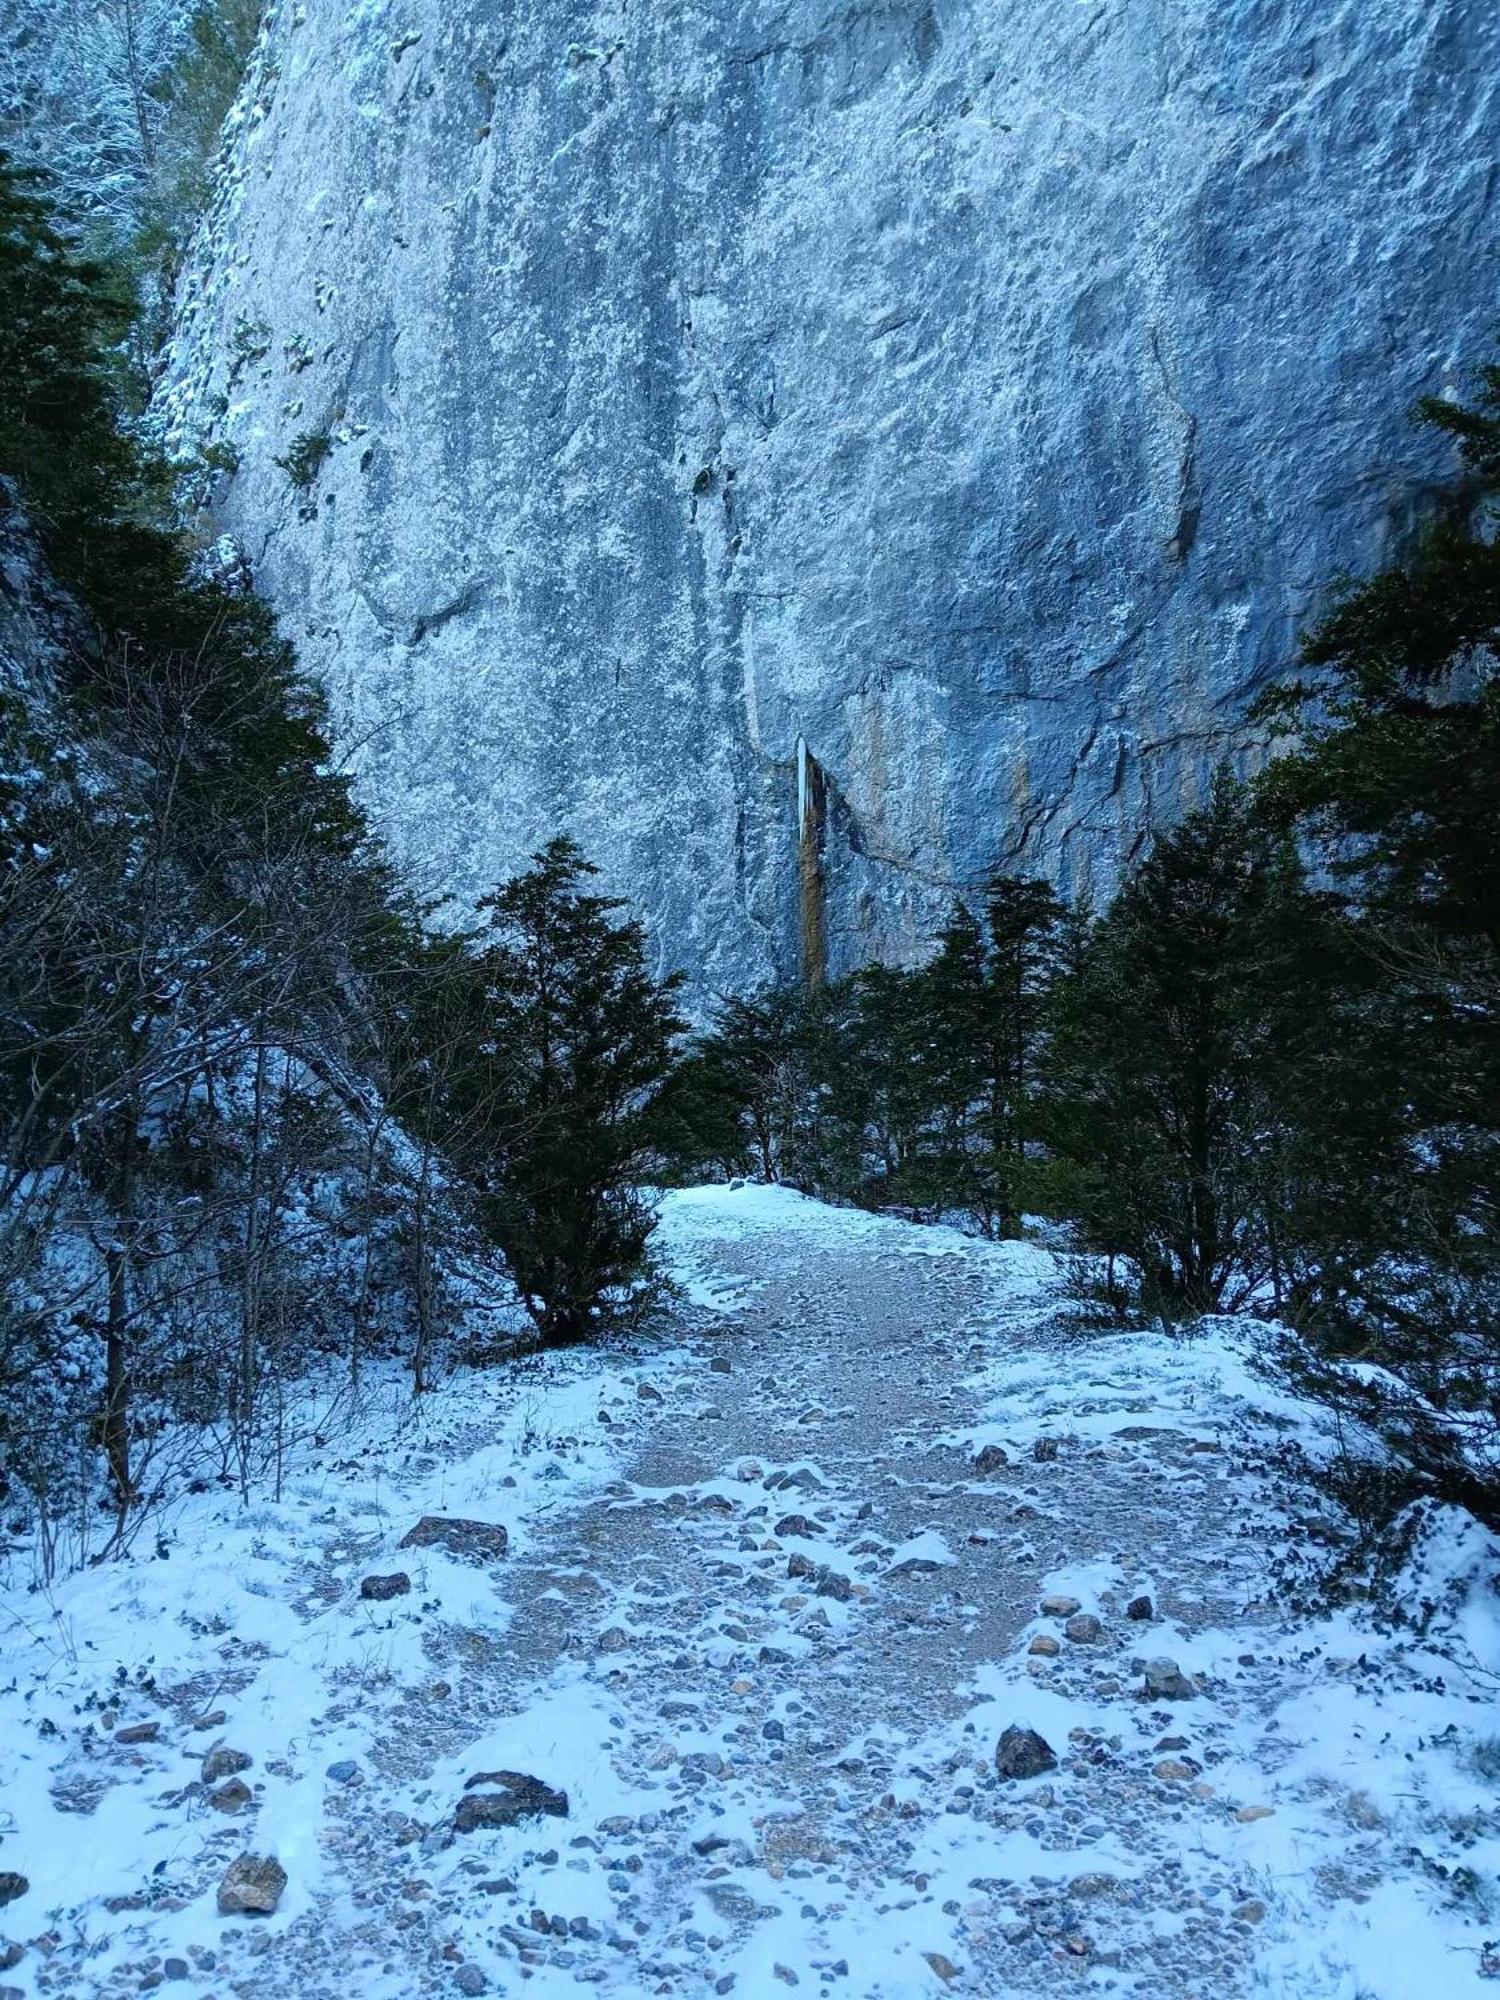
817,451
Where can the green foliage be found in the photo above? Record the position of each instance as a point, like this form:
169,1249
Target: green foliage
579,1038
305,456
1193,1015
1395,779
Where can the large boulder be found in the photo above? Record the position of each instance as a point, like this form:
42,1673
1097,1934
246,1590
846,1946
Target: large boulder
504,1798
252,1886
1023,1753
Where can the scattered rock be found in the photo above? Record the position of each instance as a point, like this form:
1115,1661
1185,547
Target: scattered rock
232,1797
1044,1450
797,1524
518,1797
379,1588
252,1886
224,1763
1165,1681
139,1732
12,1886
1247,1815
1084,1629
1022,1753
832,1583
1045,1646
722,1365
471,1541
1141,1609
1059,1607
991,1459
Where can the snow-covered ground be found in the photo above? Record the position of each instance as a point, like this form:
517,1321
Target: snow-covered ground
774,1589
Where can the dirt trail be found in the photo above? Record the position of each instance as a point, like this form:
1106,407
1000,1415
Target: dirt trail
793,1740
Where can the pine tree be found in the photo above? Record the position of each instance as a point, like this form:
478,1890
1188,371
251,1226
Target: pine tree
1196,1008
582,1036
1395,778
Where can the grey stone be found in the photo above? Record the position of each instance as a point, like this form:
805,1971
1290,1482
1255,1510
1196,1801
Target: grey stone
1141,1610
992,1459
1164,1680
472,1541
344,1772
1084,1629
252,1886
12,1886
470,1979
138,1732
1023,1753
231,1797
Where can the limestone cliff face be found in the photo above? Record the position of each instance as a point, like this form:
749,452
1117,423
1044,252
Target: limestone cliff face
977,393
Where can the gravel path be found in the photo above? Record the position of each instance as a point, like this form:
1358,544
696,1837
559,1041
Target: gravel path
771,1664
820,1807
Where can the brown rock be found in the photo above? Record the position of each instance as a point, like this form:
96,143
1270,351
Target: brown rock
1251,1911
1022,1753
232,1797
471,1541
139,1732
377,1589
517,1797
797,1524
992,1459
945,1969
1247,1815
1173,1770
1059,1607
1084,1629
252,1886
1045,1646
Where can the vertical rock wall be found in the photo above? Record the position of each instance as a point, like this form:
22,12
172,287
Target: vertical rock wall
981,392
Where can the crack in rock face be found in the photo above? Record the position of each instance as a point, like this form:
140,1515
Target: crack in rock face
981,397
